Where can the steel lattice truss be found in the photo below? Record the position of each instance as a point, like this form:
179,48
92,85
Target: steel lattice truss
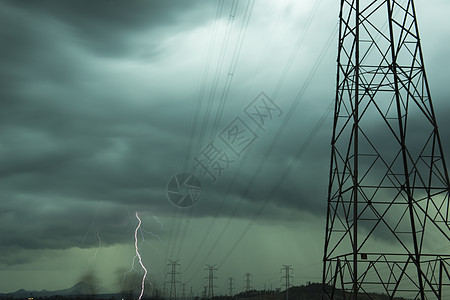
388,198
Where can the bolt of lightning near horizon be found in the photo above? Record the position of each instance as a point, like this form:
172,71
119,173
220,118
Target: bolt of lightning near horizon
131,269
92,259
139,256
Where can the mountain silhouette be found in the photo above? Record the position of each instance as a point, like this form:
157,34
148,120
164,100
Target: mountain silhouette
80,288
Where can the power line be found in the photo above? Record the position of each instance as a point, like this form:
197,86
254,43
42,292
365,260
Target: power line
198,105
204,80
299,42
212,93
281,179
277,136
297,46
233,64
171,240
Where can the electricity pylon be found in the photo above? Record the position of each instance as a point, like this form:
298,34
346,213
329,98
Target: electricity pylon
248,282
173,282
211,277
230,286
388,196
183,291
287,278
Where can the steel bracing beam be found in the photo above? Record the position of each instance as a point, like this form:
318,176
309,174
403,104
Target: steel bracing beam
388,195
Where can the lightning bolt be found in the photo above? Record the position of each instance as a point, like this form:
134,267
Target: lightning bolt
139,256
159,222
92,259
142,231
130,270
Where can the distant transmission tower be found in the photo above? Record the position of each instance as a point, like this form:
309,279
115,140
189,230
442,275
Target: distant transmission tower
248,282
230,286
155,292
388,196
211,277
183,291
164,291
287,278
173,282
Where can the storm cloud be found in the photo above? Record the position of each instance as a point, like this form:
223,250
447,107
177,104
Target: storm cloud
100,104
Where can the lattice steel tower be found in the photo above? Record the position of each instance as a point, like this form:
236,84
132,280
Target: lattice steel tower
173,281
388,196
211,277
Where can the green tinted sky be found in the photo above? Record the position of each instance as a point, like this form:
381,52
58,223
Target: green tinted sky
97,103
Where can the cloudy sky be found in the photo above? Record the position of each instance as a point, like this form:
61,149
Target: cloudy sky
103,102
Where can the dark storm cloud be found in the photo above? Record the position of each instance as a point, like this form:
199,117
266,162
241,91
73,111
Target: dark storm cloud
66,137
75,134
50,180
67,143
286,177
106,26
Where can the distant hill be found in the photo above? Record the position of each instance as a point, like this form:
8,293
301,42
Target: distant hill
312,291
81,288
